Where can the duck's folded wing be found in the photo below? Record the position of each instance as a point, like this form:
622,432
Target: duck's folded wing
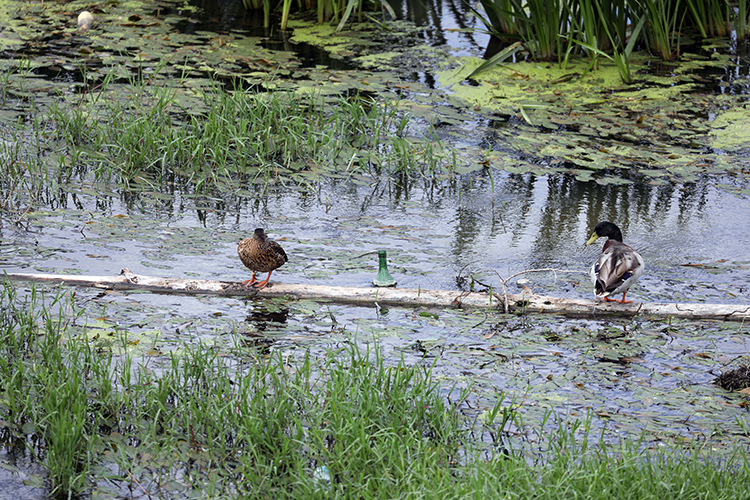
279,253
618,266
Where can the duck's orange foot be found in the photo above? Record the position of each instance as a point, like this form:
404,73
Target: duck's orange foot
621,301
260,285
249,283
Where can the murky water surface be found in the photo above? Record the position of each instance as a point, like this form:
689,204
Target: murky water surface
692,237
453,234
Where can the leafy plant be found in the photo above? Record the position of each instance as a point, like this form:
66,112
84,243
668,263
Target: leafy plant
620,57
500,17
606,27
498,58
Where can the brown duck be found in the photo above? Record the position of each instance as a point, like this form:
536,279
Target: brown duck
261,255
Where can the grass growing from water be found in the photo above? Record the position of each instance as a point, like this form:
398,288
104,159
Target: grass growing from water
240,139
335,11
204,424
25,175
609,26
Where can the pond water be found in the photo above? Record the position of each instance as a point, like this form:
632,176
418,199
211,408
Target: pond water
454,233
692,236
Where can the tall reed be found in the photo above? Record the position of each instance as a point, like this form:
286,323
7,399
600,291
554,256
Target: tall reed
336,11
607,27
662,31
711,17
742,22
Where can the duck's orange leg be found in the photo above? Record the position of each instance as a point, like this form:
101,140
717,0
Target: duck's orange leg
250,281
621,301
261,285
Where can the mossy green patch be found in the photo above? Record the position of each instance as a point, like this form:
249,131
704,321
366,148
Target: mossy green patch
369,45
323,36
378,61
528,83
730,130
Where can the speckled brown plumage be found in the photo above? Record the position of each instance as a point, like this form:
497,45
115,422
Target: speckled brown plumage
260,255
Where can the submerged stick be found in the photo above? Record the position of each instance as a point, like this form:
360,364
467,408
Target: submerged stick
525,302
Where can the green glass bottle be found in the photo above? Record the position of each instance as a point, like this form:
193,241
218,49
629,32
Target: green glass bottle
383,278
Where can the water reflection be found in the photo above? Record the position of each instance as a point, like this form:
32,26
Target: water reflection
20,454
221,16
442,20
264,314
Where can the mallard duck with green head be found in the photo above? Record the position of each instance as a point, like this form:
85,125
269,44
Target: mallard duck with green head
260,255
617,268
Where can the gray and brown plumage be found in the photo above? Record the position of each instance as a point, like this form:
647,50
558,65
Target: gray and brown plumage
260,255
617,268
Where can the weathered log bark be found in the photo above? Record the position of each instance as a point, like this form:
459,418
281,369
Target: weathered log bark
526,302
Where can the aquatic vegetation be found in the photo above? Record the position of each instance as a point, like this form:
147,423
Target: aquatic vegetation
551,29
714,18
742,22
591,126
239,418
663,29
335,11
154,156
536,22
200,412
238,138
133,122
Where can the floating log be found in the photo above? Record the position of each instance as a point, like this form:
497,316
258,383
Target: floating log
525,302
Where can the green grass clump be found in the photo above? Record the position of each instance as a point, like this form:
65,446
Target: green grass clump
204,424
236,140
44,390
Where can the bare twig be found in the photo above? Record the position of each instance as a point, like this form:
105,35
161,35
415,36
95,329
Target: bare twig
544,269
18,221
139,484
